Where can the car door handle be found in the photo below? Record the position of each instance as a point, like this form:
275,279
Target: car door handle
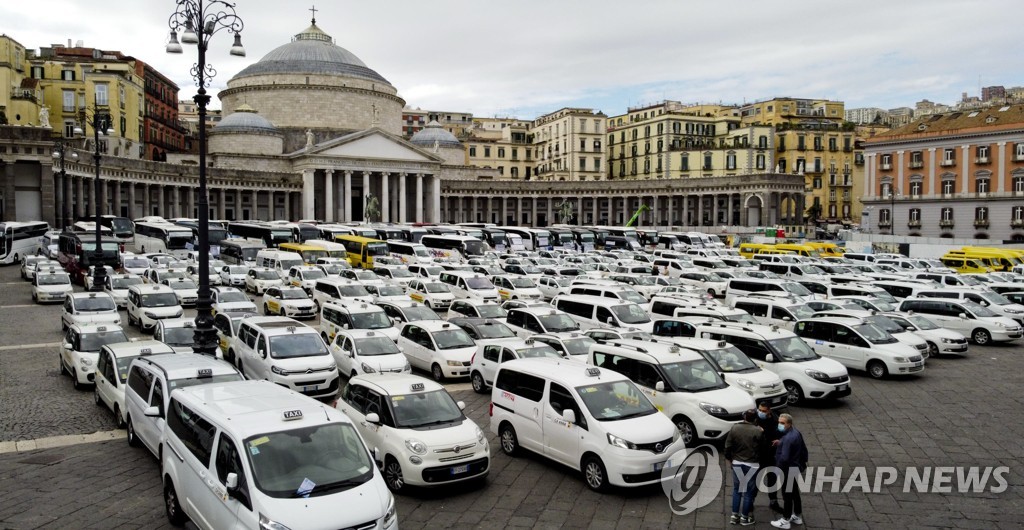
831,345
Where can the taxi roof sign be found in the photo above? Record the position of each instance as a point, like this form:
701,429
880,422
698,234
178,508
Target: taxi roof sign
204,372
290,415
593,372
417,387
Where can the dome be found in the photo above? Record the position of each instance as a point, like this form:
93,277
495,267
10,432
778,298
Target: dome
433,133
312,52
244,119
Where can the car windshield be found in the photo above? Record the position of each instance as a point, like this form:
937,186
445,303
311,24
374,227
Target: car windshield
693,376
371,320
182,285
185,382
730,359
979,310
178,336
801,311
315,460
875,334
313,274
123,364
437,288
232,296
331,269
366,276
580,346
968,280
796,288
353,290
522,283
491,311
630,314
124,283
922,323
537,350
99,303
237,269
390,290
617,400
92,342
453,339
266,275
423,409
401,273
293,294
53,279
558,322
494,330
632,296
644,280
792,349
995,299
741,317
297,345
879,304
885,323
136,263
159,300
377,345
287,264
420,313
434,271
479,284
531,269
216,264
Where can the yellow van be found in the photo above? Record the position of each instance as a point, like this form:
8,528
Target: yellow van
799,249
309,253
997,258
962,264
747,250
827,250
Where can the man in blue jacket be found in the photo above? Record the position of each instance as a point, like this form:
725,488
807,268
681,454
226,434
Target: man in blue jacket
791,459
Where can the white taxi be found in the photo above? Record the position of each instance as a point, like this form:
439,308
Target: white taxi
51,285
304,276
192,273
288,301
417,430
185,289
517,288
89,308
231,300
112,372
117,286
365,351
431,293
81,349
485,362
148,304
258,280
441,348
233,275
177,333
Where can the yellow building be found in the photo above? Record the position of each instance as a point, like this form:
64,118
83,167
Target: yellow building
20,96
813,139
670,140
568,144
502,144
76,82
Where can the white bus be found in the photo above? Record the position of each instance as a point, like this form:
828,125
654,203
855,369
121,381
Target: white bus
533,238
453,248
409,253
18,240
163,237
333,248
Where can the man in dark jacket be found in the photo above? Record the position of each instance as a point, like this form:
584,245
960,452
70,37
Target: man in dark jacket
791,458
769,423
742,453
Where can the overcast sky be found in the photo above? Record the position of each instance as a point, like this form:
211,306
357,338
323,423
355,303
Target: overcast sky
528,57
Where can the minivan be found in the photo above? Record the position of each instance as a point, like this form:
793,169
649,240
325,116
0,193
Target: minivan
745,286
979,323
860,345
598,311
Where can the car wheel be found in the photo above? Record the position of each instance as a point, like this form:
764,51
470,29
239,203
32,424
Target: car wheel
437,373
133,441
393,474
981,336
794,394
933,349
594,473
96,396
266,309
877,369
74,379
63,369
478,383
316,306
686,430
174,514
509,440
118,419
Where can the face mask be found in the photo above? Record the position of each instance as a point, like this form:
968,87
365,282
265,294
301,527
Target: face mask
762,415
782,428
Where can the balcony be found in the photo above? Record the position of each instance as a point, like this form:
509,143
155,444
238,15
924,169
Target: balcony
1019,157
884,224
858,159
847,149
916,164
946,223
1017,223
885,167
914,223
981,223
981,160
947,163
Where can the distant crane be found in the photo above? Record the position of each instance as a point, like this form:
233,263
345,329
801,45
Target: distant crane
643,208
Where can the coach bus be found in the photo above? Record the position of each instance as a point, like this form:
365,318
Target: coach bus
453,247
309,253
18,240
77,252
241,251
163,237
361,250
215,233
270,234
333,248
409,253
533,238
122,227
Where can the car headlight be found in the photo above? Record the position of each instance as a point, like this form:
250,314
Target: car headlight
367,369
86,362
899,359
620,442
947,341
390,513
1012,311
150,315
713,409
454,363
408,367
999,324
814,374
278,370
480,438
267,524
416,446
746,384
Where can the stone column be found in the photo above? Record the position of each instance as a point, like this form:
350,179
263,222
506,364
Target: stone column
655,210
714,210
256,206
161,197
366,192
288,206
519,211
222,204
595,201
419,198
437,197
131,200
329,195
190,201
385,202
78,202
175,201
308,195
58,190
686,210
458,210
69,199
403,207
965,154
347,197
117,198
549,212
504,210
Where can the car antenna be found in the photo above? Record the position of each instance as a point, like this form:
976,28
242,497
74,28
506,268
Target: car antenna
326,416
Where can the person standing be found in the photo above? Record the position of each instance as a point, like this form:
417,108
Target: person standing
768,422
791,458
742,450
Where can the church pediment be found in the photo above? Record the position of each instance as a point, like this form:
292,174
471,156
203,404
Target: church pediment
371,144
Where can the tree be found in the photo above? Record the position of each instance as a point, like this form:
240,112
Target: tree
371,213
813,213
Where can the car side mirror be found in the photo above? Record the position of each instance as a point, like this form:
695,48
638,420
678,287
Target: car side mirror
373,418
963,316
610,321
231,483
66,345
351,354
569,415
262,352
152,412
787,319
659,386
769,358
462,405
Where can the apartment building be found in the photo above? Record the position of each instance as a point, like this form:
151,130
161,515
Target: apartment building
568,144
504,144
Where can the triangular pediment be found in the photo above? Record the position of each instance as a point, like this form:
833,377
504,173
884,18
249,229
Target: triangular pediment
372,144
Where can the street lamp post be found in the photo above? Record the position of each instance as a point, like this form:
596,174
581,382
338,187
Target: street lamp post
199,20
61,151
100,122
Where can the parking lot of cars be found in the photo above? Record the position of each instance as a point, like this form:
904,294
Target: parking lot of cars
694,384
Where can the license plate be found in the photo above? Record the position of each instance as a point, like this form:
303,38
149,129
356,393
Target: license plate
918,365
458,470
841,388
309,388
658,466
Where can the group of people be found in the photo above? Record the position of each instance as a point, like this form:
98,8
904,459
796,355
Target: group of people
768,445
